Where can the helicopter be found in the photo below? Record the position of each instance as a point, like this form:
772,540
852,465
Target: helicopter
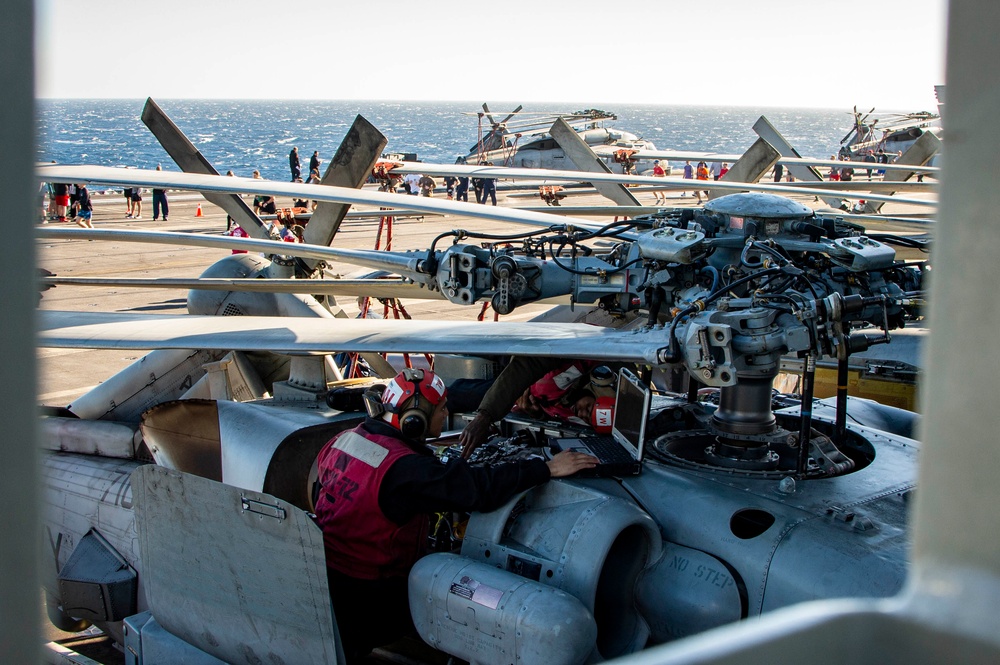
527,143
944,614
746,279
890,134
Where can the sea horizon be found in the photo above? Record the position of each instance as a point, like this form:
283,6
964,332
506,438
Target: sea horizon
248,134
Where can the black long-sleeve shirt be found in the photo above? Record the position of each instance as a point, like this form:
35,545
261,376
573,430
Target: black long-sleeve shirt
422,484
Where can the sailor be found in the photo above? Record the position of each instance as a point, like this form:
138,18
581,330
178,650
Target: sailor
548,388
295,164
462,189
489,188
379,482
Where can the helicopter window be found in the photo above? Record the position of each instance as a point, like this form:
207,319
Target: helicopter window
750,523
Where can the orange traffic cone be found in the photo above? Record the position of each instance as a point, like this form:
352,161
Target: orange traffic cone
197,213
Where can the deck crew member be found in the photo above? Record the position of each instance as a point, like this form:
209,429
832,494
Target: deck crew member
489,188
378,482
554,388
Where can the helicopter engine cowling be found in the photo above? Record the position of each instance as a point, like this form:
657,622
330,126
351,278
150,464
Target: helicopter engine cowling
233,303
585,542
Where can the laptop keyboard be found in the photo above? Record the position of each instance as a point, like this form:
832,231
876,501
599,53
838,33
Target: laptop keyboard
607,449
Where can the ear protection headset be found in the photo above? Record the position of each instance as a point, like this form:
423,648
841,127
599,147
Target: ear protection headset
410,400
413,420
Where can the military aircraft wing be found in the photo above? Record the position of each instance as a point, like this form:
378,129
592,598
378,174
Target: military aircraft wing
293,335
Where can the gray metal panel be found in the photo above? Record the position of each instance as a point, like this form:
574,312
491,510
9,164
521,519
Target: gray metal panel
90,437
686,592
750,167
694,509
188,157
250,434
588,543
84,492
157,376
238,574
585,160
158,646
291,335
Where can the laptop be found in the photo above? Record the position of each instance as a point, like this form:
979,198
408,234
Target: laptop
621,453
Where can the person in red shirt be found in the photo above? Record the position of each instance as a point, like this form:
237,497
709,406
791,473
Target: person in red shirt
379,482
237,232
659,172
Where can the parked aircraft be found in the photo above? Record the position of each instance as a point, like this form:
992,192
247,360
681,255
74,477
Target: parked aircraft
527,143
731,516
891,133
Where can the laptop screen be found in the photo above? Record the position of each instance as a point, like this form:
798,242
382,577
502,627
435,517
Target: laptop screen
631,411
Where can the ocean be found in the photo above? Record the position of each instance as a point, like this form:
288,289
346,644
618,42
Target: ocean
244,135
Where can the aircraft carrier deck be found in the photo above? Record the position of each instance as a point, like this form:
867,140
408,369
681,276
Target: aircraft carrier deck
65,374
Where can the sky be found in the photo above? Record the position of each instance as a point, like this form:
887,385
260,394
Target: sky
787,53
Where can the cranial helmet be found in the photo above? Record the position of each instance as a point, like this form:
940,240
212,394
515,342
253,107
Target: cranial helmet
410,399
603,381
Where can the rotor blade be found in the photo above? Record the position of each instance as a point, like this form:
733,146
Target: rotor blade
121,177
489,116
660,183
118,330
403,264
511,115
350,167
679,156
584,159
189,158
375,288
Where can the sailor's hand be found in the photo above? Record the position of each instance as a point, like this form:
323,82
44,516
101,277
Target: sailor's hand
529,404
475,433
569,462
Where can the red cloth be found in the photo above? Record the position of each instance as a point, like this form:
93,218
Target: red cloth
360,540
238,232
